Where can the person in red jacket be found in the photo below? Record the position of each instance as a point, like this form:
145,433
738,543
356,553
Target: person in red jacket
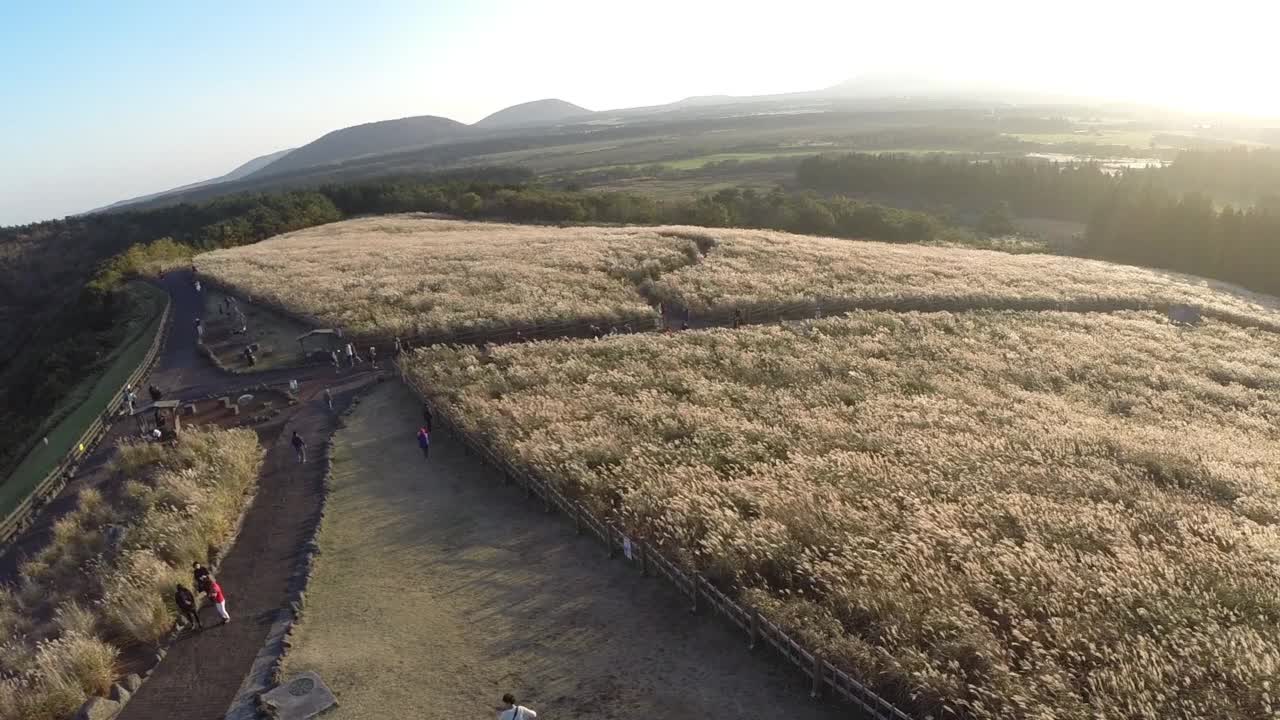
214,591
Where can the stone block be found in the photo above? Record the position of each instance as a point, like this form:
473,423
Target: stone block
302,696
99,708
119,694
131,682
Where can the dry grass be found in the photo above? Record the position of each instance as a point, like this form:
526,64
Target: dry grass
751,268
82,596
410,275
406,275
998,515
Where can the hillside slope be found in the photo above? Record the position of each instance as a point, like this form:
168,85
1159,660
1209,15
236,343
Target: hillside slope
241,171
531,114
368,139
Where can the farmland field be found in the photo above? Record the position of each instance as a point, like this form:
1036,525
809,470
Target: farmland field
410,275
1001,514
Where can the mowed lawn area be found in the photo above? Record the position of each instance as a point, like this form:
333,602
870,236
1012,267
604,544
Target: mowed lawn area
438,590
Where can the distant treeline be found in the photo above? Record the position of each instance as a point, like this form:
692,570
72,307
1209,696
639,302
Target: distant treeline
1159,217
1067,191
776,210
1188,234
1064,190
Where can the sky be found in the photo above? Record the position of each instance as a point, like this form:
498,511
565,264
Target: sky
104,101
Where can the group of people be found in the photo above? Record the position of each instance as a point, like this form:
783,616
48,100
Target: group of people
204,583
354,358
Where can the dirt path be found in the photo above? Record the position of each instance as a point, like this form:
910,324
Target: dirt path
438,590
202,672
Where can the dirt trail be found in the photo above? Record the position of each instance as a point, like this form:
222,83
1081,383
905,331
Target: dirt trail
201,673
438,590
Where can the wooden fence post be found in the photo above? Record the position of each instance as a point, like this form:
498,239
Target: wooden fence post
817,676
755,629
644,558
608,540
693,599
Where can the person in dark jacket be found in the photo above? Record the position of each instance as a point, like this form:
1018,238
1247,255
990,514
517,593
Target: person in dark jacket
424,441
299,447
426,416
186,602
199,575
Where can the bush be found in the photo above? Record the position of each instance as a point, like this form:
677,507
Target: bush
63,672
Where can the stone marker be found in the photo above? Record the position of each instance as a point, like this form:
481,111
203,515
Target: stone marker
302,696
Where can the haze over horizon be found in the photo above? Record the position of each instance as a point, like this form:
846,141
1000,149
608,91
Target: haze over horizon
104,103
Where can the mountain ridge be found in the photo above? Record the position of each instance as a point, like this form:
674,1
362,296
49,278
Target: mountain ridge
372,138
549,111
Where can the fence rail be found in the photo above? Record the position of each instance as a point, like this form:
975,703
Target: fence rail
56,477
699,590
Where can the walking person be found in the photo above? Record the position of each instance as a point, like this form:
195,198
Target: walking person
426,416
186,602
424,441
199,331
299,446
373,357
398,346
351,355
509,710
214,591
328,398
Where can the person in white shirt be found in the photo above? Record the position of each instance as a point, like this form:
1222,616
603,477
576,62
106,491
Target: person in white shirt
509,710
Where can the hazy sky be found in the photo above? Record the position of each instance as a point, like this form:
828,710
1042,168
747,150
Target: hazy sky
103,101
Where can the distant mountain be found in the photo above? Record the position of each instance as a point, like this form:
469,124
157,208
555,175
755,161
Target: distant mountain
533,114
376,138
242,171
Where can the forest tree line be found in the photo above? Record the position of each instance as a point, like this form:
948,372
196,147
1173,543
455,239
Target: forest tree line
1171,217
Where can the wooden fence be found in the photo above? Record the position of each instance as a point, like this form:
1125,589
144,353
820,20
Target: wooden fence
56,478
701,593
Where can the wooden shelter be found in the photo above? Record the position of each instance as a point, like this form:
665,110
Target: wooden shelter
322,340
166,411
